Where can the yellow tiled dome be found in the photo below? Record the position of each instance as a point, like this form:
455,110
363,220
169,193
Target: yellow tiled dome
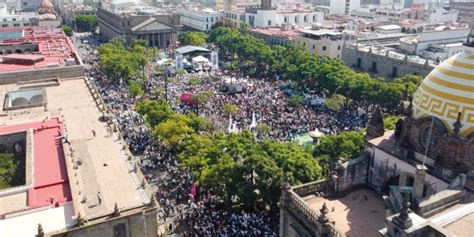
447,90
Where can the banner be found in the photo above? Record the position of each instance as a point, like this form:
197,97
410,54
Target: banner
193,190
179,61
214,60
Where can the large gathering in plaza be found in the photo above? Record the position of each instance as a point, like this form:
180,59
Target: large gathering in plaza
243,118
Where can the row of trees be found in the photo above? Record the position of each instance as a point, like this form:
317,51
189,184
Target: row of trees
86,23
241,169
192,38
314,72
118,60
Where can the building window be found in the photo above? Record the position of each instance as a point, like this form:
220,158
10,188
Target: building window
374,67
394,71
324,48
14,19
120,230
314,46
409,181
16,25
339,47
269,23
314,18
305,18
26,24
304,44
296,19
4,25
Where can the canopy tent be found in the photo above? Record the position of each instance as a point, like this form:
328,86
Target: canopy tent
200,59
192,50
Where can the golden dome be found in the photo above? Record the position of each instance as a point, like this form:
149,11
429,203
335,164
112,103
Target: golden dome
448,90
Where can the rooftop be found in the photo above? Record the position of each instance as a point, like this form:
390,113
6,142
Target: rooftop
276,31
90,163
32,42
359,213
321,32
50,179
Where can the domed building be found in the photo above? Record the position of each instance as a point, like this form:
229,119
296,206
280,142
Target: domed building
447,91
439,123
47,16
417,180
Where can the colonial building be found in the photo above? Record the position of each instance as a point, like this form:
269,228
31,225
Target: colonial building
323,42
413,54
131,20
465,8
415,181
200,19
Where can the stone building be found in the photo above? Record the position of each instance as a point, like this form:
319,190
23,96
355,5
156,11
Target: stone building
417,180
465,8
384,62
74,183
200,19
323,42
153,25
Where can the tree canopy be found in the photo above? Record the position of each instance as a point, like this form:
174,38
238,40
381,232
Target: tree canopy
237,165
67,30
118,60
241,169
86,23
347,145
192,38
7,169
320,73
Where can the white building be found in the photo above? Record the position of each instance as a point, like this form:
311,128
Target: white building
11,18
30,5
343,7
201,20
434,39
236,17
441,15
274,17
323,42
388,29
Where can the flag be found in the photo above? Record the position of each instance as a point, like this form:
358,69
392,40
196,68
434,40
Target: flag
193,189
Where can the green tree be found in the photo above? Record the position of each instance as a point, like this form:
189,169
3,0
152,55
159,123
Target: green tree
192,38
7,169
295,100
68,30
335,102
347,145
390,121
135,88
238,166
154,111
173,131
230,109
86,23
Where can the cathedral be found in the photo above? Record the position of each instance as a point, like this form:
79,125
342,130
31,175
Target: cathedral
417,180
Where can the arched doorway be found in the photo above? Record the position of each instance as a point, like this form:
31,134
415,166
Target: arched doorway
393,181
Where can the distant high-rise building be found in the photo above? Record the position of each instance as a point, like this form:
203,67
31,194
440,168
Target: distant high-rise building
465,8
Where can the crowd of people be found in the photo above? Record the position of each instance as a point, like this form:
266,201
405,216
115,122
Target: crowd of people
262,102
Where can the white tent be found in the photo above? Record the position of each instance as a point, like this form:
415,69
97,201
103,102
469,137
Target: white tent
200,59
